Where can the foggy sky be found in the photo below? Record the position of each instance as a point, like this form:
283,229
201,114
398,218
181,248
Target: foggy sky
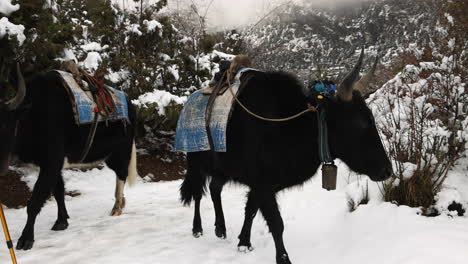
237,13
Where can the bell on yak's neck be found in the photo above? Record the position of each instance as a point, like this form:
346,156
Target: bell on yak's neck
329,172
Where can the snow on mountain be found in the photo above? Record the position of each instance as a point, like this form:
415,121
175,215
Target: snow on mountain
308,39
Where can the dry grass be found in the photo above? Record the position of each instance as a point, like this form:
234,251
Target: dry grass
417,191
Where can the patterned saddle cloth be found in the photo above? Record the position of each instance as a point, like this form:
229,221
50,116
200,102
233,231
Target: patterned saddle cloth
191,133
83,103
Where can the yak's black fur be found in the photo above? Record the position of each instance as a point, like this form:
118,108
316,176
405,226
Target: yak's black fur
271,156
47,134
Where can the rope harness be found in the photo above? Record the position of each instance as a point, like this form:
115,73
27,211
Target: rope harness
209,109
329,169
309,109
104,106
102,97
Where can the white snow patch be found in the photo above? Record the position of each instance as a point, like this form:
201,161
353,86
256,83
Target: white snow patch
174,70
449,18
445,198
134,28
93,46
156,228
116,77
161,98
6,7
53,5
152,25
68,54
92,61
223,55
11,30
164,57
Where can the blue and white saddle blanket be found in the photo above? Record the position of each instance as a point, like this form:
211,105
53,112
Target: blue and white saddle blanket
84,105
191,134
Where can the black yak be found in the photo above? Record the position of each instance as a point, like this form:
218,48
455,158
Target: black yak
37,126
271,156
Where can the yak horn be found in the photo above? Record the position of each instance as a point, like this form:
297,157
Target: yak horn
363,84
15,102
345,89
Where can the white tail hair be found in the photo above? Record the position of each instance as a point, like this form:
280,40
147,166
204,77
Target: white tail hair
132,167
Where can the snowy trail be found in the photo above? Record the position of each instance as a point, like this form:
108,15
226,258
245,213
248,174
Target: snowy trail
155,228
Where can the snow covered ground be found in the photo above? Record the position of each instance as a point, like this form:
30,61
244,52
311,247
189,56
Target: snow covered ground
155,228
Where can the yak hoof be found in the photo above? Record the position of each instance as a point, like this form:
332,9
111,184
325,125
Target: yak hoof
24,244
118,207
220,232
197,233
245,249
60,225
283,259
116,211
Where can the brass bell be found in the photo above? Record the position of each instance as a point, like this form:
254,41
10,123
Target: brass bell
329,172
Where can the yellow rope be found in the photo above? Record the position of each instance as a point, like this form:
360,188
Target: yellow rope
309,109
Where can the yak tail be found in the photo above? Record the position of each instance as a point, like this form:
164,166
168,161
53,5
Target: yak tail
132,166
193,187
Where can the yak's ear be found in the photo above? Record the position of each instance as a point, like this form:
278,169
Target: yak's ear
345,89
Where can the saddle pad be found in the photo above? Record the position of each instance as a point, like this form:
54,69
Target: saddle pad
191,135
209,90
83,104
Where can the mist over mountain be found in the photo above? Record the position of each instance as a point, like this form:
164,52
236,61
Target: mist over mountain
307,40
225,14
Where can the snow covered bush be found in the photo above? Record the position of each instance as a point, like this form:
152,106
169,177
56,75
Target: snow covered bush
423,116
11,39
157,111
138,51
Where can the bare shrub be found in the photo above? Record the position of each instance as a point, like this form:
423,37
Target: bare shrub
423,119
423,112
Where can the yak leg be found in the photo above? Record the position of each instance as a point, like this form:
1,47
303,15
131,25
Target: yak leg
42,189
51,164
50,143
117,164
197,229
272,215
216,187
251,209
193,187
62,216
119,198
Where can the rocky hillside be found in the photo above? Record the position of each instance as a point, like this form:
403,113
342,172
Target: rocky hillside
313,41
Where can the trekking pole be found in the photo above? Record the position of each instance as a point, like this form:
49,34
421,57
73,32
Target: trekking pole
7,235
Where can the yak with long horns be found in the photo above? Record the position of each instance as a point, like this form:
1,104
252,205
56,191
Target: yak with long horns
271,156
38,126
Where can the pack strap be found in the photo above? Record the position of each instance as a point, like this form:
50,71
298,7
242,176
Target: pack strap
324,150
209,109
90,139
